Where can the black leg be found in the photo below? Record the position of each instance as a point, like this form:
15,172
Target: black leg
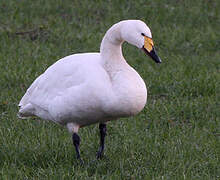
76,143
102,129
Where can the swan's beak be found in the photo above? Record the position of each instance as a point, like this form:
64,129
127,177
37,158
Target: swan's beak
150,50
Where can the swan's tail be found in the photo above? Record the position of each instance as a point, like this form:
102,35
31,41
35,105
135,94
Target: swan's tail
20,116
25,111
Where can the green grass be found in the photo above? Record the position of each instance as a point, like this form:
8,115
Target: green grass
177,135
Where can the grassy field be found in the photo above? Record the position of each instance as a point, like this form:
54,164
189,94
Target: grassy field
177,135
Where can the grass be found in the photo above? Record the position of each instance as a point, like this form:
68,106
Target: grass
177,135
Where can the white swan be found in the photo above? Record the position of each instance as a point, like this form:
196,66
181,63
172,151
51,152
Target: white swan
82,89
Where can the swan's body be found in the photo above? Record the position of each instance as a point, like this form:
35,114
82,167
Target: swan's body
88,88
78,89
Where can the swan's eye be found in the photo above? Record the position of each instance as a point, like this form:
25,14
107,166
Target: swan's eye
142,34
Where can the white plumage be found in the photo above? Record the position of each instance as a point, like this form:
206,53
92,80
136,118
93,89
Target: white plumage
87,88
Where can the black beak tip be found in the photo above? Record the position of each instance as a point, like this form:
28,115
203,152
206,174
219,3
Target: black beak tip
153,55
158,61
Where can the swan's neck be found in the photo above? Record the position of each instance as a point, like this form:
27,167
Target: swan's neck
128,89
111,47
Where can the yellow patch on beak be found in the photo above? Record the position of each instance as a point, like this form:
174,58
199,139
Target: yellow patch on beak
148,43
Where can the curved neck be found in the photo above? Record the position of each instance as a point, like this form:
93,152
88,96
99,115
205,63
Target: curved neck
111,46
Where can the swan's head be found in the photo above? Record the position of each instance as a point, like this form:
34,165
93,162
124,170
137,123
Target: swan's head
137,33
